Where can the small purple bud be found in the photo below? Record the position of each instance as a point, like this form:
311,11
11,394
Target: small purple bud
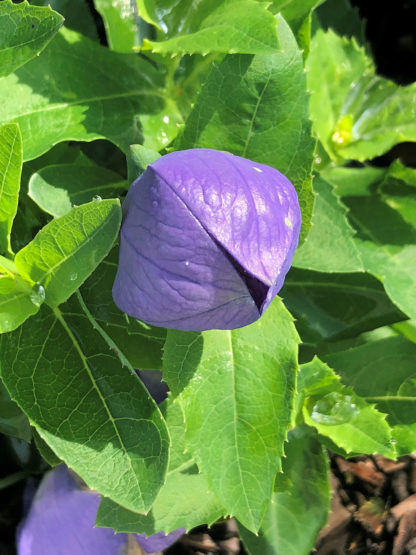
206,241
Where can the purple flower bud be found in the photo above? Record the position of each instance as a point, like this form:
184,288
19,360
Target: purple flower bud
61,521
206,241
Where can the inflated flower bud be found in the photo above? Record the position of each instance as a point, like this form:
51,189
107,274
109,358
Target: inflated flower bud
206,241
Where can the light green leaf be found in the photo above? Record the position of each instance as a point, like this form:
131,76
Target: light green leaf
330,245
138,158
336,306
94,412
339,414
334,67
77,89
384,373
16,297
236,391
140,343
25,31
179,501
67,250
56,189
256,107
300,504
120,22
13,421
387,245
11,158
243,26
356,113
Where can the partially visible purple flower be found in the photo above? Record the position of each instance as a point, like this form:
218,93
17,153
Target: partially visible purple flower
206,241
61,521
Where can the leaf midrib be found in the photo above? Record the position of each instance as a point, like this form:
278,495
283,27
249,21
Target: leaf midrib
60,317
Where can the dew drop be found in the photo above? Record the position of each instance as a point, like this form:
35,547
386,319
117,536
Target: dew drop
37,296
165,119
257,169
333,409
186,262
73,276
96,198
288,222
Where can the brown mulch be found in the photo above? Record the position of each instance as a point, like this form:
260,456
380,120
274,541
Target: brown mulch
373,511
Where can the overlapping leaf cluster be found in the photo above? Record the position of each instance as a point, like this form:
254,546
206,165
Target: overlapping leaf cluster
249,417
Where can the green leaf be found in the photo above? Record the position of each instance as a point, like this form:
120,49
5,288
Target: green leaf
179,501
353,182
236,391
77,14
11,158
243,26
13,422
300,504
79,90
336,306
387,245
93,412
26,30
138,158
120,22
356,113
257,107
140,343
339,414
16,297
56,189
330,245
383,372
67,250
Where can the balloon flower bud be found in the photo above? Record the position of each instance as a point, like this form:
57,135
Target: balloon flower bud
206,241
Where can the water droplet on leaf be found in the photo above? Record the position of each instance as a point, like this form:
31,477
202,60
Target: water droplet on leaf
334,409
73,276
37,296
96,198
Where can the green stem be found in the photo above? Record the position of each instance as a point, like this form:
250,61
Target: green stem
14,478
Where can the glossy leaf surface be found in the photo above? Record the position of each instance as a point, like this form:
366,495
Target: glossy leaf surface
65,252
77,89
